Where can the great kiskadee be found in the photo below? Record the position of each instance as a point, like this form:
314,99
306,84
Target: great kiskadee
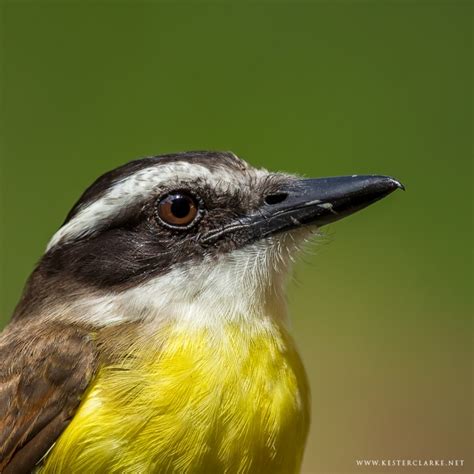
152,335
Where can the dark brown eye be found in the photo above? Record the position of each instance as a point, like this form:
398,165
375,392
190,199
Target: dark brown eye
177,209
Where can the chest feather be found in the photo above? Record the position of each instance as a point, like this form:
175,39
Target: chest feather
194,401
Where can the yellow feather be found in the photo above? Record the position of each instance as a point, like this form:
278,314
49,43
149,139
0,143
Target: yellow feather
193,400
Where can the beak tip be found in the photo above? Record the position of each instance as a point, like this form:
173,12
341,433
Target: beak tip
397,184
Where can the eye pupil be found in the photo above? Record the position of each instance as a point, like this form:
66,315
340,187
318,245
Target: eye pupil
180,206
177,210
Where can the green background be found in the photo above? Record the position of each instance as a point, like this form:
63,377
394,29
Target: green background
381,307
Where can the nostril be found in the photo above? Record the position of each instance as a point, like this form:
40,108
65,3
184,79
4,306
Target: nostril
275,198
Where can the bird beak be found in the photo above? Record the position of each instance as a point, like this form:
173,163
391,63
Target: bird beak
310,202
324,200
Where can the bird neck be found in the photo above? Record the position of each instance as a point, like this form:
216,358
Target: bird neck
244,285
238,287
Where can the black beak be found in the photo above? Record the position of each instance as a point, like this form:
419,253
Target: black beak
312,202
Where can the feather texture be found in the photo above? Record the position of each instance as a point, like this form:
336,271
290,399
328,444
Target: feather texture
193,400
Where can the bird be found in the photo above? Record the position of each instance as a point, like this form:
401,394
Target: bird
153,334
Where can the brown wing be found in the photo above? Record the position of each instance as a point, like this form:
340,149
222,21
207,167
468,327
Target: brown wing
44,370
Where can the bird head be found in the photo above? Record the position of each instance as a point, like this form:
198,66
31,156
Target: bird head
196,235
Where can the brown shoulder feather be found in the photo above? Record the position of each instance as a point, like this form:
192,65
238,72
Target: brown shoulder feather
44,370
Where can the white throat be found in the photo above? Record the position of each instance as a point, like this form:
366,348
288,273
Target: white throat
246,284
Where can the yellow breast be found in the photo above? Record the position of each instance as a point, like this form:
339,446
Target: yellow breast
195,401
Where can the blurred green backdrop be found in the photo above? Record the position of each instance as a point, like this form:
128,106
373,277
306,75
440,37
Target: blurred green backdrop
382,309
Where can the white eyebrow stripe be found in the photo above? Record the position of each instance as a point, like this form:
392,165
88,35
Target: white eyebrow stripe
135,188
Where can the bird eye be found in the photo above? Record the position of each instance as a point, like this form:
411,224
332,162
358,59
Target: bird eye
177,210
